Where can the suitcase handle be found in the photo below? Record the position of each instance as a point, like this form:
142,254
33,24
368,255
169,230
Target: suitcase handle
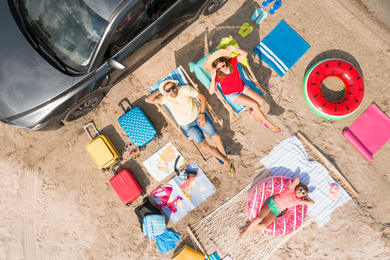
120,104
87,130
114,168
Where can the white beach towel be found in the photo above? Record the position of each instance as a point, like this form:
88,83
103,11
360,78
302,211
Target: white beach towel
289,158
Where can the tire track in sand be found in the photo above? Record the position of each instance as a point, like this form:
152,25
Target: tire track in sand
61,211
29,230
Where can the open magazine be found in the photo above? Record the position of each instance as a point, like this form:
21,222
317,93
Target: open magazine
192,192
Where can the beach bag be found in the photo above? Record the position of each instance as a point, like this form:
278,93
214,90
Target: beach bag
145,209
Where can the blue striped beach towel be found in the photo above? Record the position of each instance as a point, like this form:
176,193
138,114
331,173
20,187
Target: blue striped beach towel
289,159
178,75
281,48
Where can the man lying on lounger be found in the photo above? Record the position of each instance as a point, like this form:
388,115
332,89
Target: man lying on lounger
190,115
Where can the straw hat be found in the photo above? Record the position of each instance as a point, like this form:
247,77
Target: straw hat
162,84
215,55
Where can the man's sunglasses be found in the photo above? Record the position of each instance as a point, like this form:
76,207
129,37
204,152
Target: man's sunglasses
302,191
171,88
223,66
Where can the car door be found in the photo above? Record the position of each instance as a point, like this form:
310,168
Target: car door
139,34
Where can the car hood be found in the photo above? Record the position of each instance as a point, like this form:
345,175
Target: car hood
26,78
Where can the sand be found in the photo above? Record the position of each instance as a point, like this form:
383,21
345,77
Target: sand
56,204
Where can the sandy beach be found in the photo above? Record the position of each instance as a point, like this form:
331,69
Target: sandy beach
57,204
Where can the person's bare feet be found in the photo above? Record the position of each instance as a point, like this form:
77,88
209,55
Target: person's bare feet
242,232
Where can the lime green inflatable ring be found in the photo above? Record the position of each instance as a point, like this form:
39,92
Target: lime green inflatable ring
354,89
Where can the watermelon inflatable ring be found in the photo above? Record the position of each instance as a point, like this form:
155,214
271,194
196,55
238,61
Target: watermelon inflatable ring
354,89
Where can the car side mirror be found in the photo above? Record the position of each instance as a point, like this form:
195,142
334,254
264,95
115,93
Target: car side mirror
116,65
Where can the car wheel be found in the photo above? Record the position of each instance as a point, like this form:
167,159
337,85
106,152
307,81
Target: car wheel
84,107
213,6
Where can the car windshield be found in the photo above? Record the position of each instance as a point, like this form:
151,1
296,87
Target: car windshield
68,27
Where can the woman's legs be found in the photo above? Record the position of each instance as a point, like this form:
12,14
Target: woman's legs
254,100
265,212
267,221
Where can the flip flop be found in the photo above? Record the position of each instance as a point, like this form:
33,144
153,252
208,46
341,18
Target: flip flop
232,167
267,2
263,15
251,113
243,27
247,31
275,7
226,151
277,131
256,13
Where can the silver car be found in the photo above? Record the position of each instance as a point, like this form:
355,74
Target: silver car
60,58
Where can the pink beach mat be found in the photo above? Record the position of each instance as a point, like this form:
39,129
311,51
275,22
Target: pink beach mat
369,132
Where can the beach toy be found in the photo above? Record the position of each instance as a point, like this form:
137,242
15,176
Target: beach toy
354,89
289,220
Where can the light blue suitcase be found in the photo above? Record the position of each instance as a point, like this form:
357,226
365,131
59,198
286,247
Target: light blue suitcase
136,125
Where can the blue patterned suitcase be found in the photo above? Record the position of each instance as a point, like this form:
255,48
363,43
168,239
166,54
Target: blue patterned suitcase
136,125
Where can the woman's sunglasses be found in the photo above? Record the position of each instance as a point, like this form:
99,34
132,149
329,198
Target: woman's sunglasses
302,191
223,66
171,88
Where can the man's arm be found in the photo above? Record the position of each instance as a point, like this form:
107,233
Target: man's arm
202,99
153,98
202,117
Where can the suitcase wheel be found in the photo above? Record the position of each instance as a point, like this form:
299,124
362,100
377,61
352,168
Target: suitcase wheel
141,148
158,135
128,204
103,170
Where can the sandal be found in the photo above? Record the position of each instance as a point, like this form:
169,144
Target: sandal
256,14
276,131
243,27
261,18
275,7
232,168
267,2
252,114
226,151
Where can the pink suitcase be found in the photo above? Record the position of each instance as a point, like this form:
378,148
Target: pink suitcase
126,186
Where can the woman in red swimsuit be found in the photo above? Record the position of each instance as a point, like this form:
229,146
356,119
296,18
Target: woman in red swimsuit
225,72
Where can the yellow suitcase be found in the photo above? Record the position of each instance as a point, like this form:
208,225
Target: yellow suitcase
101,149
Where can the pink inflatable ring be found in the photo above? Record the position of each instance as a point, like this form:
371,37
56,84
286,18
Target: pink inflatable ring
289,220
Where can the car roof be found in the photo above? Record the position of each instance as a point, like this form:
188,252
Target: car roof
104,8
